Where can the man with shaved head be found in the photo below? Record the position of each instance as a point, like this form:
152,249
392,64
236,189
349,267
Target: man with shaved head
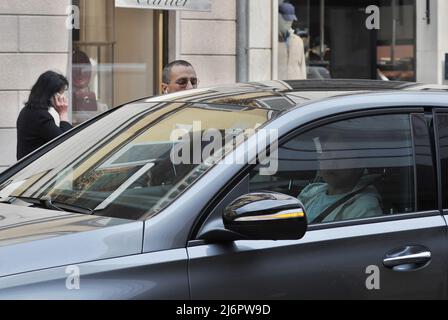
177,76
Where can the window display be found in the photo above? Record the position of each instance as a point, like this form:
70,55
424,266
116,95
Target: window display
338,44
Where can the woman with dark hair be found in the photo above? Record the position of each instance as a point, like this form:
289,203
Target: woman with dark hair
45,115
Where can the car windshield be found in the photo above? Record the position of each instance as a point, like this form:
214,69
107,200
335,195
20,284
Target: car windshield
138,159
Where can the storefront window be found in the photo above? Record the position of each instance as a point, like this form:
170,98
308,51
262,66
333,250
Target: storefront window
117,53
396,40
337,43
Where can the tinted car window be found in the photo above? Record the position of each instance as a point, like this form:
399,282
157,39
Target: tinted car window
347,170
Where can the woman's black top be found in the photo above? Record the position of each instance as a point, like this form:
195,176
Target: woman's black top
36,127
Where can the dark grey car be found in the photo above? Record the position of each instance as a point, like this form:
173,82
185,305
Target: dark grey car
349,202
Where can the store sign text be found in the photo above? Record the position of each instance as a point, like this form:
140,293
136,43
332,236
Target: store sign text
196,5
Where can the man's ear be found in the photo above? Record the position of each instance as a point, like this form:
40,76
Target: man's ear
164,88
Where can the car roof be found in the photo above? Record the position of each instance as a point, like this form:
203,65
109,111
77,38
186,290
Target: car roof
285,95
347,84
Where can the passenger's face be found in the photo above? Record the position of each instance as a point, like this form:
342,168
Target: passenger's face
335,169
341,178
181,78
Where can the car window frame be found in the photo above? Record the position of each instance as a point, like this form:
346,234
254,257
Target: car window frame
209,213
439,111
428,118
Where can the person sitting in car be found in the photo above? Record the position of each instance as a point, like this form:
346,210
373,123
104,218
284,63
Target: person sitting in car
345,193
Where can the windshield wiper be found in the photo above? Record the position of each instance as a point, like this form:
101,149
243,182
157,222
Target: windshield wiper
47,203
15,201
6,200
70,207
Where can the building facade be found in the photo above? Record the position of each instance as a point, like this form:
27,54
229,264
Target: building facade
117,53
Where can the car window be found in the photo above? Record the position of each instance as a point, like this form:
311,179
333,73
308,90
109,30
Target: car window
125,165
351,169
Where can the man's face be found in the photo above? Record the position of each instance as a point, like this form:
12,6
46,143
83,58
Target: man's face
181,78
338,164
342,179
283,25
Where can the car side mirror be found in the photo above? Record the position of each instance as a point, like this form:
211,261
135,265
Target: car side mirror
266,216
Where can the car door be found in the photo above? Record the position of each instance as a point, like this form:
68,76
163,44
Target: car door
391,243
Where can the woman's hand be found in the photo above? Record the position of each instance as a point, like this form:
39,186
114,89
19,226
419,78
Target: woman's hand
60,103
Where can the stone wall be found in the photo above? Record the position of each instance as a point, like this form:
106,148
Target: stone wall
208,41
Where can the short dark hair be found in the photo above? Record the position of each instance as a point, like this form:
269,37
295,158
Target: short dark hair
167,70
48,84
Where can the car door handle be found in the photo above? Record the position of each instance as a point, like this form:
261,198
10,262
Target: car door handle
422,257
408,258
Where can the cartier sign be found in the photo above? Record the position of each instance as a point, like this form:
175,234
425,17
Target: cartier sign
196,5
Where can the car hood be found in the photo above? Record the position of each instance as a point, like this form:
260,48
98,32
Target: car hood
33,239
